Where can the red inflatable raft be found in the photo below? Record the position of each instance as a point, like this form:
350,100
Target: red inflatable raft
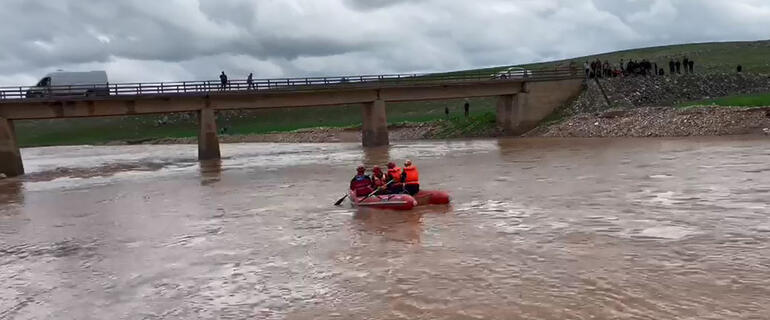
431,197
400,201
386,201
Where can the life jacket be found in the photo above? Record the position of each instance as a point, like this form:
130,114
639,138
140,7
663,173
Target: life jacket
378,181
362,185
412,175
396,174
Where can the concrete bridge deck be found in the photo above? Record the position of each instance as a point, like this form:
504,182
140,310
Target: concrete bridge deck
523,101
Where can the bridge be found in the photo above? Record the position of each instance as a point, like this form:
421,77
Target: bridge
523,101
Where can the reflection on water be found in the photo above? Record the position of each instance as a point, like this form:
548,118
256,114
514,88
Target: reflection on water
538,229
377,156
11,196
211,171
405,227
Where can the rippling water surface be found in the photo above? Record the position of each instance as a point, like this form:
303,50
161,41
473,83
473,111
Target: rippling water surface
538,229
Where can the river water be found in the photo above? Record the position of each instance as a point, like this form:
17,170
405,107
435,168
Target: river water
538,229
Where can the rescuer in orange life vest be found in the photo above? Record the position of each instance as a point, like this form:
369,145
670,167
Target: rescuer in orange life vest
395,174
410,178
379,180
361,183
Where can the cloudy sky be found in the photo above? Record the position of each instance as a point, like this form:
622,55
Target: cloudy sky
157,40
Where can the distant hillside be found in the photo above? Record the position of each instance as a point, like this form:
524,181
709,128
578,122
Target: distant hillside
710,57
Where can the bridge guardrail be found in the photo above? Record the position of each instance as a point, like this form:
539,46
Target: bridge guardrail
281,84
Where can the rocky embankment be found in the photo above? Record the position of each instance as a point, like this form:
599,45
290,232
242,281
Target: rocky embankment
662,122
666,91
647,107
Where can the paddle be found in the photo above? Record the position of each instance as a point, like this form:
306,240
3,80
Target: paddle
375,191
367,197
340,200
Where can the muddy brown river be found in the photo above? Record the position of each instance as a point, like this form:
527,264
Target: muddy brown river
538,229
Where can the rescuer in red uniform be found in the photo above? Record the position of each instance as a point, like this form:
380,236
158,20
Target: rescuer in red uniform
379,180
395,175
361,183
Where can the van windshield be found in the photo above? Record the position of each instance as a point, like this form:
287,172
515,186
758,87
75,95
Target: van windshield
44,82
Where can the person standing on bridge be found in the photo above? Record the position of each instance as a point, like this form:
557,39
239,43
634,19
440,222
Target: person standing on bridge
223,80
250,81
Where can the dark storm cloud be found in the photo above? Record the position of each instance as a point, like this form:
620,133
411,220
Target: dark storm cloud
136,40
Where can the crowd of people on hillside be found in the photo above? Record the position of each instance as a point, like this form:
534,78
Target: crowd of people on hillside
644,67
396,180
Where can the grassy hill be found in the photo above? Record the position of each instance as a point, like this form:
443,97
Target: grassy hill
709,57
754,56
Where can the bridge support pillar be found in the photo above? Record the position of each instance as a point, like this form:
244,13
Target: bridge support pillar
512,117
208,142
10,156
374,132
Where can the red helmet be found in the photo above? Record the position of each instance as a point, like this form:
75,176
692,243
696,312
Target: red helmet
376,169
361,169
391,165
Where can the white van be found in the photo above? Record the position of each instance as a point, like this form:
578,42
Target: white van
513,73
64,83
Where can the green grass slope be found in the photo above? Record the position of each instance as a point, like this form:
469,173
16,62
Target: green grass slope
756,100
754,56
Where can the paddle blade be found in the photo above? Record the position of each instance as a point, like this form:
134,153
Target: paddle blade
340,200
